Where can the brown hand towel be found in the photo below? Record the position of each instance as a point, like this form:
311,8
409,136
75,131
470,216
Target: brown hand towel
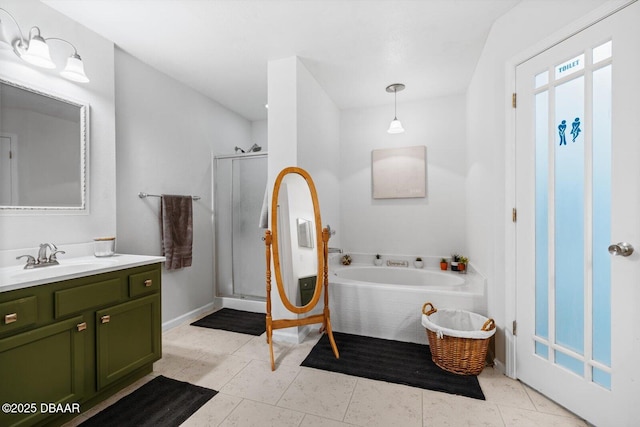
177,230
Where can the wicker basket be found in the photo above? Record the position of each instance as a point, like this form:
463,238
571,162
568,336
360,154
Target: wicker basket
461,351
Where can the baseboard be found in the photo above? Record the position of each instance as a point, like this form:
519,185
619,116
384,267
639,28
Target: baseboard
287,335
187,317
498,366
241,304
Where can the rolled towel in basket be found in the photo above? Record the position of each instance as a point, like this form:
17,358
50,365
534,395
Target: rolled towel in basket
458,323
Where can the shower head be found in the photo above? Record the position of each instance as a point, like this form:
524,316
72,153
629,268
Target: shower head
239,149
254,148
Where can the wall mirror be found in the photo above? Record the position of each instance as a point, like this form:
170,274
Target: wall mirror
43,144
296,257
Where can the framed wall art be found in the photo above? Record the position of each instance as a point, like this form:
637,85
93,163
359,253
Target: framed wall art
399,173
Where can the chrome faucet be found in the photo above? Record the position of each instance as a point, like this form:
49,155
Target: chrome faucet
42,253
43,260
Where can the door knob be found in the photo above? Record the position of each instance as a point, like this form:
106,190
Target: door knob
621,249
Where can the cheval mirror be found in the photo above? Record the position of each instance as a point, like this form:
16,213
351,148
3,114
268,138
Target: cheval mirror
299,246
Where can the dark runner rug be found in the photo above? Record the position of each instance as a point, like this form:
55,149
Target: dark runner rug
228,319
160,402
391,361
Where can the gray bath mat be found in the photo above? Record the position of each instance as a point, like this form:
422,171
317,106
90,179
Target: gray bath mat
243,322
161,402
392,361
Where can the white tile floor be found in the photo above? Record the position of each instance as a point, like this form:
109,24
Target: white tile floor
250,394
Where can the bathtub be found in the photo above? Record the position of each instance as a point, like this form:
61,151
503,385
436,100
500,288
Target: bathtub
386,302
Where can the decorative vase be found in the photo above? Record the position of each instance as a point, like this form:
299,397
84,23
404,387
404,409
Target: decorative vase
443,266
454,265
377,261
418,264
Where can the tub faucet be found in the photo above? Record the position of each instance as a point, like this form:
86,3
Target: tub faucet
335,250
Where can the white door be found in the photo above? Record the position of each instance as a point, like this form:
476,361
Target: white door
578,192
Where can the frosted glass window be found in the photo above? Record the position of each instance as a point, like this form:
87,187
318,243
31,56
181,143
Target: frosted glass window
542,215
602,378
570,363
569,67
602,215
602,52
542,79
542,350
569,215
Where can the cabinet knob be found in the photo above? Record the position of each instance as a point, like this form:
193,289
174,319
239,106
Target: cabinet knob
148,283
10,318
81,326
105,319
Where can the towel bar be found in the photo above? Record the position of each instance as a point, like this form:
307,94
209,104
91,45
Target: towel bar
143,195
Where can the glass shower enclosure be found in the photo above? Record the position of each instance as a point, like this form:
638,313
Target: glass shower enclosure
239,189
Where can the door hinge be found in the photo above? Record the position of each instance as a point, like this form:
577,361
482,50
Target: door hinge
515,327
514,100
514,215
10,154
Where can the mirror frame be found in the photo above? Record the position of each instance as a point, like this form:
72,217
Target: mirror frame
84,145
318,238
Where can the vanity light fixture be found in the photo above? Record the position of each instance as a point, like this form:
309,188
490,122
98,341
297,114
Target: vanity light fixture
35,51
395,126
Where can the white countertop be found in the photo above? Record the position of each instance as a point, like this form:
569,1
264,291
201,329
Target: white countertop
17,277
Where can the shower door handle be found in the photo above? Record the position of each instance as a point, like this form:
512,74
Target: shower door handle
621,249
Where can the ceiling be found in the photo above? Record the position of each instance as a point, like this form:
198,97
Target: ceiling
354,49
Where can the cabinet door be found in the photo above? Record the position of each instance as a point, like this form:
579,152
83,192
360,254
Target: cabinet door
128,337
44,365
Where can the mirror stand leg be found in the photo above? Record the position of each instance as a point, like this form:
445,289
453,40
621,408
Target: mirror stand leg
268,319
270,341
327,326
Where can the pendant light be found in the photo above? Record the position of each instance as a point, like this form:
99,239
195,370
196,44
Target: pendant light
395,126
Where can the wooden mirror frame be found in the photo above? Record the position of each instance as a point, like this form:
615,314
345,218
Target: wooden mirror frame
272,247
275,248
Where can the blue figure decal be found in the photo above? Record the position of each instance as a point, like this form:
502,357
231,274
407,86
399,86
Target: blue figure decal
561,128
575,128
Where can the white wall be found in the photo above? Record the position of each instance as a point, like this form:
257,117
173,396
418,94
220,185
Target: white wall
303,129
166,134
20,230
259,134
488,101
434,225
319,146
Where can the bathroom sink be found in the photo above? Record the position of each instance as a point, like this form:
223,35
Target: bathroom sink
18,274
65,267
17,277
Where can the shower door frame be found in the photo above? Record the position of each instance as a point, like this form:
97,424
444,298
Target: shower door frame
214,212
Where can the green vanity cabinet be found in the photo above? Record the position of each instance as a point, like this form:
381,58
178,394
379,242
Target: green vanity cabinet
128,338
77,341
50,360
